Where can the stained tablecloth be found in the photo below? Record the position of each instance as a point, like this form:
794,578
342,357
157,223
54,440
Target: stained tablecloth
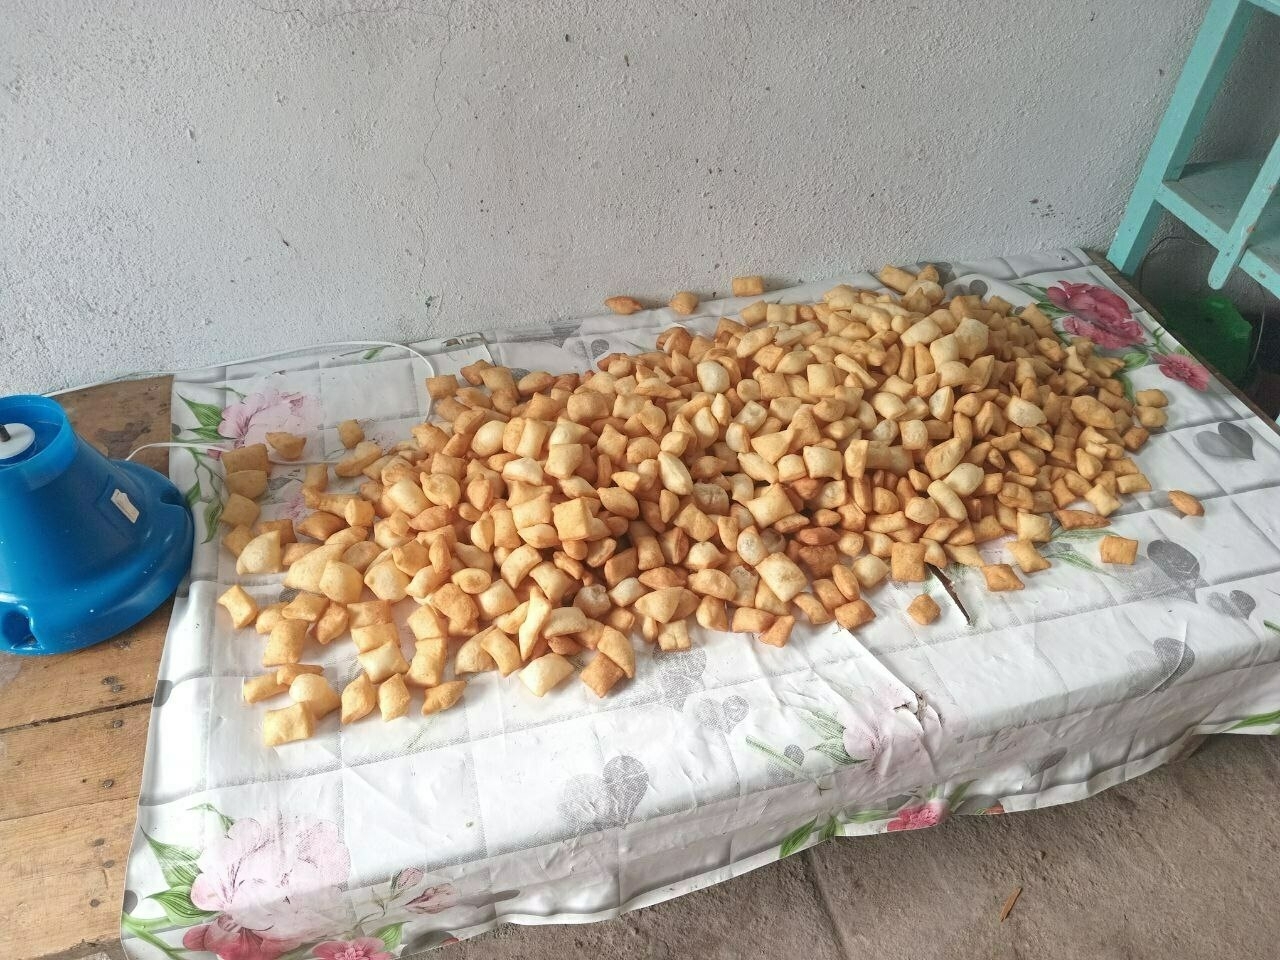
391,838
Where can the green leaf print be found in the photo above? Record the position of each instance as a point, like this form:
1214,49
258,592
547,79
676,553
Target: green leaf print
141,929
177,864
834,750
796,839
774,755
390,935
1134,360
203,461
136,924
192,495
829,829
1079,534
1074,559
372,354
824,724
206,414
1125,385
227,822
179,909
1271,626
960,793
212,512
1258,720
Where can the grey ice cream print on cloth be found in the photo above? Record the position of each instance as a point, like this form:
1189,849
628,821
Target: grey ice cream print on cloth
779,774
1152,672
1227,442
678,675
720,715
1167,570
591,803
1236,604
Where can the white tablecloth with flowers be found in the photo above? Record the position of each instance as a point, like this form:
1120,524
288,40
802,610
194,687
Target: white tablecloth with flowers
377,840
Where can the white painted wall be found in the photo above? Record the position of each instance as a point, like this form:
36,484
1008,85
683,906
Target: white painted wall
183,182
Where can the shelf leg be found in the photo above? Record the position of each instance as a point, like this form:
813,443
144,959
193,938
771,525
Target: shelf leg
1255,202
1211,55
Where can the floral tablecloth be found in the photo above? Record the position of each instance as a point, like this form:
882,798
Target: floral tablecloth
378,840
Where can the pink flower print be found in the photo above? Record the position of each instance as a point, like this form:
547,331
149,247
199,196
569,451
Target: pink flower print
248,421
1098,314
294,506
230,941
386,437
918,817
433,899
877,731
864,742
408,877
1178,366
278,881
362,948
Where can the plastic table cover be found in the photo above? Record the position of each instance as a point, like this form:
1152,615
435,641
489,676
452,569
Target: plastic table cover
386,839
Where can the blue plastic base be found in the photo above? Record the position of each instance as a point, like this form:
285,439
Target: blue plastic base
81,570
99,611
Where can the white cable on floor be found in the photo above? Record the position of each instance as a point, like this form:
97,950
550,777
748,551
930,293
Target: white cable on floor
266,356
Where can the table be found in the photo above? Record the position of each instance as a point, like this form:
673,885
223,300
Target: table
72,734
73,729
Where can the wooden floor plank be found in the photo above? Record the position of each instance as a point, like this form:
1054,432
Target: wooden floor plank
120,671
89,759
62,877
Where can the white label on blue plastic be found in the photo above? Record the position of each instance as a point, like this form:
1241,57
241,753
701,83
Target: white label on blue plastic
125,505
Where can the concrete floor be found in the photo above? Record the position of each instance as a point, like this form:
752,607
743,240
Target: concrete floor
1178,865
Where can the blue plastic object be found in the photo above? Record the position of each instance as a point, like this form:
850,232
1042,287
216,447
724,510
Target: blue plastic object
88,546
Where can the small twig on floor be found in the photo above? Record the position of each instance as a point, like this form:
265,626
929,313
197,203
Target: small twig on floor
1009,902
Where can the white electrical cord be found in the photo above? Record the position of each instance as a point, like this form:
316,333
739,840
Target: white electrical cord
196,445
266,356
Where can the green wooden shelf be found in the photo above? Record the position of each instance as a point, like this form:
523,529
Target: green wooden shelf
1208,197
1228,203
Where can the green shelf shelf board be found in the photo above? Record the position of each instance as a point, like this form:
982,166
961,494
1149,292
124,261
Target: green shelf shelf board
1207,198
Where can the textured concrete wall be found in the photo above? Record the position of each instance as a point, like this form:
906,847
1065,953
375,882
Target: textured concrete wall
183,182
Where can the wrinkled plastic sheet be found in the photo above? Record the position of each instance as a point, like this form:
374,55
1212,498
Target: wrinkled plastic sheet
711,762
